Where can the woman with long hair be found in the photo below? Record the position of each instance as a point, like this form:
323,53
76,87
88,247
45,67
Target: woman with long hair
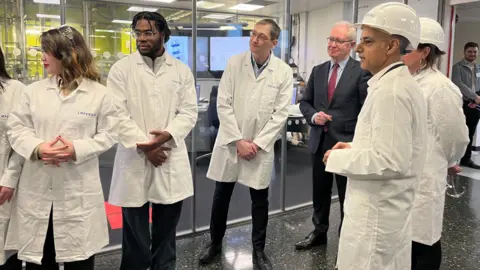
10,163
61,126
447,140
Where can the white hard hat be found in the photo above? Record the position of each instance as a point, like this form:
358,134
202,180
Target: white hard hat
395,19
432,33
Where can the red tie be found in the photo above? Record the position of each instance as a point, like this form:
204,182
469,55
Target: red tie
331,87
332,83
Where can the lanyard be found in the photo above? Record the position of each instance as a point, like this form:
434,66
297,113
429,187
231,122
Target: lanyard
392,68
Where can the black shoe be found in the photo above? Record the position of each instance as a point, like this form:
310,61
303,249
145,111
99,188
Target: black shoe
312,240
469,163
261,261
211,252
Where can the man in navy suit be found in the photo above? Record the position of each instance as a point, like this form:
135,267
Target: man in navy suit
334,96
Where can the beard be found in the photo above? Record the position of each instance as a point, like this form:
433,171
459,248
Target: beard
151,52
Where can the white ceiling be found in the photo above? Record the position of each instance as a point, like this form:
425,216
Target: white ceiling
273,10
468,12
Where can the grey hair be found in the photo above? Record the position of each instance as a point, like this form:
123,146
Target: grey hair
404,42
352,31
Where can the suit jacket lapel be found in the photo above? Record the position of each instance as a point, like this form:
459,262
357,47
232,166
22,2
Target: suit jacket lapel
325,71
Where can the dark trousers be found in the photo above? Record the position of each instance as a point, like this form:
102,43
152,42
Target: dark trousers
48,260
426,257
13,263
322,188
221,202
471,116
141,251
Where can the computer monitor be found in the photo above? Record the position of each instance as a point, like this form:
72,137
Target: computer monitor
181,48
177,46
222,48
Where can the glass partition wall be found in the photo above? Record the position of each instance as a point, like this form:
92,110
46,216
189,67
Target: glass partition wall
204,35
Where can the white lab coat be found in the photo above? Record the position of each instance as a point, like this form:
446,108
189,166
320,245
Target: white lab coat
447,141
10,162
254,109
87,117
383,166
148,100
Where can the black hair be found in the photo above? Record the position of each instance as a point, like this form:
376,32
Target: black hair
160,22
470,45
404,43
3,72
433,55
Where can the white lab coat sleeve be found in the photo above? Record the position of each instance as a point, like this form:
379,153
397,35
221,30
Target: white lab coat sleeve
390,152
268,135
21,132
225,111
187,112
106,136
129,133
449,120
11,175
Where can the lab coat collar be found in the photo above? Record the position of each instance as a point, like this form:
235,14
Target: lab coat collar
168,58
376,78
247,65
422,73
85,84
247,61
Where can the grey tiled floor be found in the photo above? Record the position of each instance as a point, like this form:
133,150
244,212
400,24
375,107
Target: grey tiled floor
461,240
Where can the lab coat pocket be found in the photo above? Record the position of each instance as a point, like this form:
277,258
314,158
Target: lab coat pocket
75,234
266,174
83,125
223,164
267,100
357,213
3,232
93,194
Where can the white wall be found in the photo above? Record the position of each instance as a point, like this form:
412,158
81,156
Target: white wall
465,32
425,8
313,40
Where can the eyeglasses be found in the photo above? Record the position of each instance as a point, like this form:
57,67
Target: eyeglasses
259,36
148,34
332,40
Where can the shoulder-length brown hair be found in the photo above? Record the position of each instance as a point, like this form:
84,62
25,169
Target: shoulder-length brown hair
67,45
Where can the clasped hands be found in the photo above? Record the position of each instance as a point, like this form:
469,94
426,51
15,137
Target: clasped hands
339,145
154,150
246,149
51,154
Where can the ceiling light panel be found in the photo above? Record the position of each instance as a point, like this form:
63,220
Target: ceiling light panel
218,16
162,1
48,16
246,7
49,2
140,9
209,5
122,21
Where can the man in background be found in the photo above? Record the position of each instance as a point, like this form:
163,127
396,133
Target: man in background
334,96
464,75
